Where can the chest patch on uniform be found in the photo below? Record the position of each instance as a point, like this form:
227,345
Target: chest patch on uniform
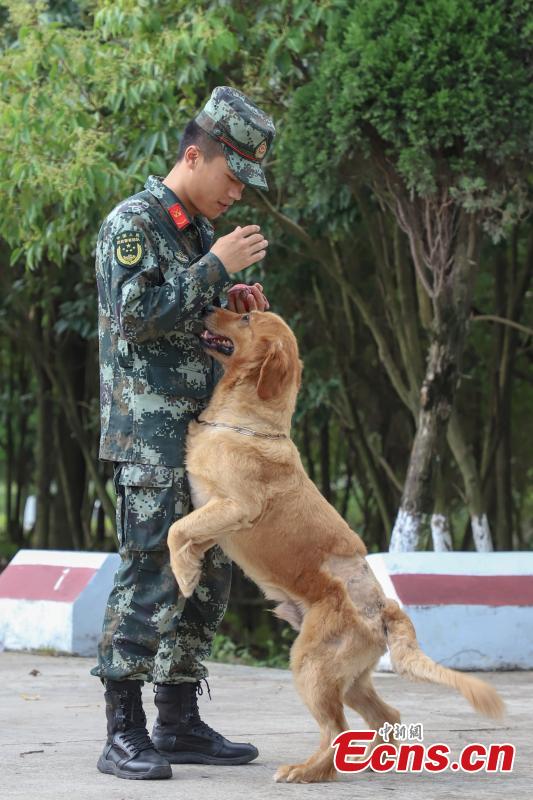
129,248
177,212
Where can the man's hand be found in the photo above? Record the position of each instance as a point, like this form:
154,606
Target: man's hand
243,298
241,248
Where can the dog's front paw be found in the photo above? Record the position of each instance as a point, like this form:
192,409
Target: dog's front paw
186,585
306,773
186,568
283,771
291,773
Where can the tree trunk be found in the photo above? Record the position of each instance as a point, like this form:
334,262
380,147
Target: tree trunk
23,459
481,533
347,487
440,522
464,457
100,527
511,286
451,305
440,533
43,478
69,457
365,455
44,441
504,518
9,449
325,479
435,406
68,528
306,435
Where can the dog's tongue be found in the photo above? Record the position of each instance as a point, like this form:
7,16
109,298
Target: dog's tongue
211,336
215,337
240,287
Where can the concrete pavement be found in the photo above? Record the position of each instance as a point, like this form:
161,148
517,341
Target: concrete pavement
53,729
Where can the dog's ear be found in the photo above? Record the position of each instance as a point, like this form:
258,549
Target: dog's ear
274,371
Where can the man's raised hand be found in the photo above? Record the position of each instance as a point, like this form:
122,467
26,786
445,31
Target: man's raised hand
241,248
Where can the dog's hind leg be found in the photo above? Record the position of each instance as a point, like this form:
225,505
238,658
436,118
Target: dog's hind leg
323,697
322,660
363,698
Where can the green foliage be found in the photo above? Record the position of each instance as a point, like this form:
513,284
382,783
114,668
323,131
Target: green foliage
87,113
258,653
79,313
441,90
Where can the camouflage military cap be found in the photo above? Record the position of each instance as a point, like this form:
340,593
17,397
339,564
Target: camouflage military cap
246,132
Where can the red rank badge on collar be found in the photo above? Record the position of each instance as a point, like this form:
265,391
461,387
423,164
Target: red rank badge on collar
177,212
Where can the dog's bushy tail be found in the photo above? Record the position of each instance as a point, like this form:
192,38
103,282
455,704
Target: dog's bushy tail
408,660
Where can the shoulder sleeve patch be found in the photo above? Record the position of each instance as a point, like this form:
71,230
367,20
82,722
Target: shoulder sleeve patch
129,247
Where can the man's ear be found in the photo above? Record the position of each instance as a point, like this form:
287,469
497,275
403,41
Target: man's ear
274,371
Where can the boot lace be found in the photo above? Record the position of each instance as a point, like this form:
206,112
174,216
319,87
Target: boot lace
199,726
199,687
138,739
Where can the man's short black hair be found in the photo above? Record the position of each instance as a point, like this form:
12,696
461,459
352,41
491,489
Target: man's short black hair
193,134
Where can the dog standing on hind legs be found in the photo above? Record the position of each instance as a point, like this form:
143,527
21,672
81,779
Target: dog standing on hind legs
252,496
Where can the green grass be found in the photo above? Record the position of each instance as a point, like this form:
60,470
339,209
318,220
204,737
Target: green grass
226,651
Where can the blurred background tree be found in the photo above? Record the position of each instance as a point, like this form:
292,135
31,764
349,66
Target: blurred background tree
397,216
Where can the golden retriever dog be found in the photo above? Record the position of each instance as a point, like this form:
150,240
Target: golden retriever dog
252,496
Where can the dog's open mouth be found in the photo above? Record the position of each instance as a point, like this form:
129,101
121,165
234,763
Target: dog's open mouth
215,342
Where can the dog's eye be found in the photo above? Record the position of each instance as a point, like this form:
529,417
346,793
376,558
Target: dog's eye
245,318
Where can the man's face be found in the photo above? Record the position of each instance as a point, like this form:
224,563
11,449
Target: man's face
212,186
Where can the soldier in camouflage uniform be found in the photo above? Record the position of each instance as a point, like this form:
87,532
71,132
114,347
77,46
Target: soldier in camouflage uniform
157,268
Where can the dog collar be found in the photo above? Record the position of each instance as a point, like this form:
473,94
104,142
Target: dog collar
244,431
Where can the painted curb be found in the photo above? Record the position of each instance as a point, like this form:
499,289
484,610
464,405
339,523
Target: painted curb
471,611
55,599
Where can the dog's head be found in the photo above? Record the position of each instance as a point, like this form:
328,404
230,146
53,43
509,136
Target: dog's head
258,347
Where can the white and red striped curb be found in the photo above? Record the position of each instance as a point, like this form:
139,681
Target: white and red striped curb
55,599
470,610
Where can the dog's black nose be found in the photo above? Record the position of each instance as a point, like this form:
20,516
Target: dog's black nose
207,310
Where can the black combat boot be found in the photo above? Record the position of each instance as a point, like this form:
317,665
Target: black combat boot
128,752
180,735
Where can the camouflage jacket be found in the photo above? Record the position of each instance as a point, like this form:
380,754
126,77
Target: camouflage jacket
154,275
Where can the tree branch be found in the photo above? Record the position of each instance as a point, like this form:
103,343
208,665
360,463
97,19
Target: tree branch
503,321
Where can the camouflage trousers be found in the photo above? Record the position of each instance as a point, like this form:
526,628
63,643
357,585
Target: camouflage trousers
150,631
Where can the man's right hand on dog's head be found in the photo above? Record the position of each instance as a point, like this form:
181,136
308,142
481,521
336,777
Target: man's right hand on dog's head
243,298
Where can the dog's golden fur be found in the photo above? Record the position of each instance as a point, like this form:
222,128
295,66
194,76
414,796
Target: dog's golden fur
253,497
